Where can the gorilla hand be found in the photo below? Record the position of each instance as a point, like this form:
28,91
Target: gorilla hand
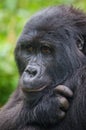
53,108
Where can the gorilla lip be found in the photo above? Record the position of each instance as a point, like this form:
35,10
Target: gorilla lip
34,90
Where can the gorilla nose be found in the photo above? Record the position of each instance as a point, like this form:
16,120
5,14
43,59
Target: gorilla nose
32,71
30,74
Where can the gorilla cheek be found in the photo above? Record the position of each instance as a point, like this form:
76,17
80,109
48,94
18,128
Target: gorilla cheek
58,74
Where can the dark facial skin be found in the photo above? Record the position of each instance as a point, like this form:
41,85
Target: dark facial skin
43,60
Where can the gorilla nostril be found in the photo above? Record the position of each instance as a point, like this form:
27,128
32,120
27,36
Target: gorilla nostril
31,71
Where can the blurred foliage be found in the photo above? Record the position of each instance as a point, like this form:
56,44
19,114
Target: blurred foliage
13,15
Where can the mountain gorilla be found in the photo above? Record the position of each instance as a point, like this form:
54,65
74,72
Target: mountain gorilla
50,55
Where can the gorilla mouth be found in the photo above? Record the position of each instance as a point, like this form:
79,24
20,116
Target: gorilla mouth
37,89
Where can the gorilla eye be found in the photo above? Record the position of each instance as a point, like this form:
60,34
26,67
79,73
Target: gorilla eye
45,49
30,49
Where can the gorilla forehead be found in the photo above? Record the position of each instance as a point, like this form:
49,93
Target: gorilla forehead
52,18
57,21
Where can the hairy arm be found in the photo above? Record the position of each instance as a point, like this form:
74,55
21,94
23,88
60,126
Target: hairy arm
76,116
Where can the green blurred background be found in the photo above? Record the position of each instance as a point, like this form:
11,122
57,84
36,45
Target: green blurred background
13,16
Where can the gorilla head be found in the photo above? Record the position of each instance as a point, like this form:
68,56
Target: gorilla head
50,48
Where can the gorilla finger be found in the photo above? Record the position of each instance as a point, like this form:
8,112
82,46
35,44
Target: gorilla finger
61,114
64,104
64,90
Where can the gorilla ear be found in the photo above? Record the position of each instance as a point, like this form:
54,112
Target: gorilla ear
80,43
80,23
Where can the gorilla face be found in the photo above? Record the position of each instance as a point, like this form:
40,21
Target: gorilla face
46,54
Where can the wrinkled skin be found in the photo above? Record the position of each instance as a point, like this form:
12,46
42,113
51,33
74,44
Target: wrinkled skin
50,55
